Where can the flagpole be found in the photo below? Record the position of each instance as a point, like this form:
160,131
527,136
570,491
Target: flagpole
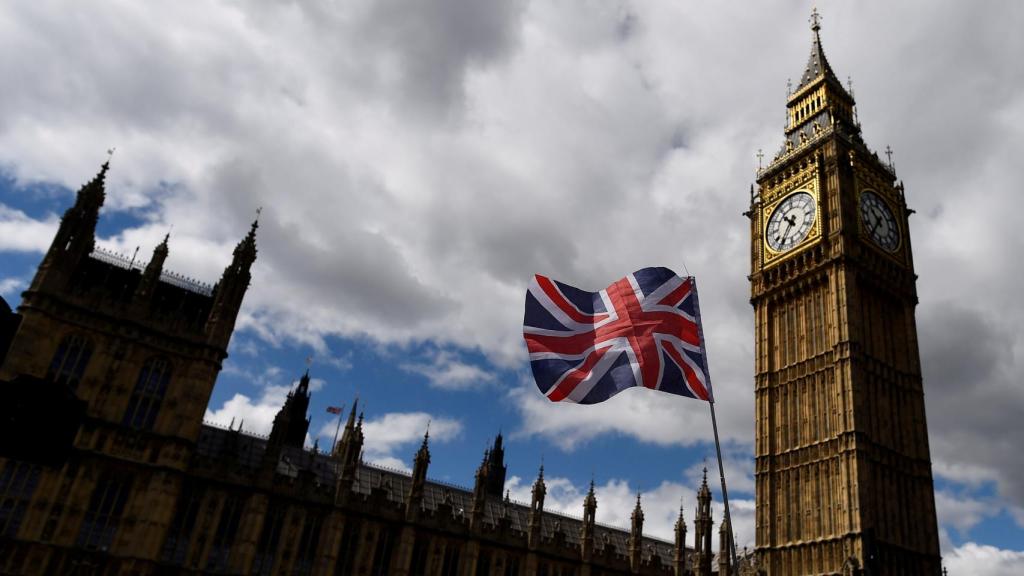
725,492
336,428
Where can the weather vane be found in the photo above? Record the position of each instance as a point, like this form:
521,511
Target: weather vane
815,19
760,157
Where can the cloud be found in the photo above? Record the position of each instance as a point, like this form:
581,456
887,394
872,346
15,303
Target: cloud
649,417
21,233
616,500
257,413
10,286
448,372
983,560
962,512
399,430
972,365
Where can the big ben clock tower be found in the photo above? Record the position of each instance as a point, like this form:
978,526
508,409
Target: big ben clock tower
844,481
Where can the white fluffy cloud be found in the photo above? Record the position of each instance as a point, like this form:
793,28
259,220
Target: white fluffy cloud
9,286
982,560
616,500
256,413
399,430
20,233
448,372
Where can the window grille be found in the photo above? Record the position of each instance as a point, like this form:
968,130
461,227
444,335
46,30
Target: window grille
68,364
149,391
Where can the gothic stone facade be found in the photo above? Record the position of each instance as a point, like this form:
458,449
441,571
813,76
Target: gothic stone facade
843,475
107,467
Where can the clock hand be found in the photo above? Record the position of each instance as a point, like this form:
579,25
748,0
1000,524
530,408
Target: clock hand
789,224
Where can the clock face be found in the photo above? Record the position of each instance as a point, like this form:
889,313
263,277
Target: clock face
878,221
791,222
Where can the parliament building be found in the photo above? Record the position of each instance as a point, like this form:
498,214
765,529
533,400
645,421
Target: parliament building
108,468
107,366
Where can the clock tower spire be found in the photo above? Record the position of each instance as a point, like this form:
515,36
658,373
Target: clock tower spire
843,472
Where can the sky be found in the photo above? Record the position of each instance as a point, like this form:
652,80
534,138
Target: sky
417,162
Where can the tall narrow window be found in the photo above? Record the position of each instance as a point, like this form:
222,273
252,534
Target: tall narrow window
308,543
224,537
57,508
104,513
512,566
382,552
349,547
450,565
270,536
148,394
18,481
420,549
183,525
483,563
68,364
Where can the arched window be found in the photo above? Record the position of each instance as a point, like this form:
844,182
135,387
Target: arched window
148,394
69,361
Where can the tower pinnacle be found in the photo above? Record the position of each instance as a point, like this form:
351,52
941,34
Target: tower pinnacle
815,21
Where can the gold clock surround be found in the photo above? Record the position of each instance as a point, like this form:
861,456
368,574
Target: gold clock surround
772,256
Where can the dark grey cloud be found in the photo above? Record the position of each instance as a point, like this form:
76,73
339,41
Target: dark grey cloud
974,396
429,45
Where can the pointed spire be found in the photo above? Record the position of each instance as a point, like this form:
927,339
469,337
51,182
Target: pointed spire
291,424
352,415
539,491
350,447
231,288
589,504
496,469
538,484
245,251
419,477
679,556
92,194
638,515
423,455
817,64
725,545
702,529
636,535
162,246
151,275
589,521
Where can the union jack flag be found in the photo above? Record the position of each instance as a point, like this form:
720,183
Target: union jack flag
643,330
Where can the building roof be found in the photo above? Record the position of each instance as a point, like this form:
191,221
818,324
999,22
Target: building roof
243,451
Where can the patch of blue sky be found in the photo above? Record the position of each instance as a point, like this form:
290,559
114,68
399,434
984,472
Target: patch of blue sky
376,374
37,200
996,526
